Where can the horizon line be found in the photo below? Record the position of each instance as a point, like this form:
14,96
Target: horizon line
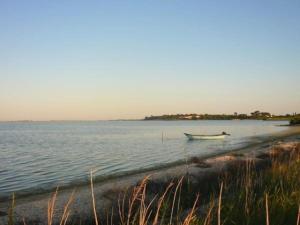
95,120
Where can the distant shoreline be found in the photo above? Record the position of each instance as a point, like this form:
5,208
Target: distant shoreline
212,119
58,121
257,115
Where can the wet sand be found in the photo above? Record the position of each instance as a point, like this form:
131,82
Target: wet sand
34,208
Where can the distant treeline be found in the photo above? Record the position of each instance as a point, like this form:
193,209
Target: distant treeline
295,120
254,115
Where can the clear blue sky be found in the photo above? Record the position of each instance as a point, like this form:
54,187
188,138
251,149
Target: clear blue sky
128,59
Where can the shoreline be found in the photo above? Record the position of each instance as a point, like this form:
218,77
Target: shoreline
256,140
34,207
124,120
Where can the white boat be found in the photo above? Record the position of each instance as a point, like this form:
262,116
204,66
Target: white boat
206,137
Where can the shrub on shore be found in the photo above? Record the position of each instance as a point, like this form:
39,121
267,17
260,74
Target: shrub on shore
295,121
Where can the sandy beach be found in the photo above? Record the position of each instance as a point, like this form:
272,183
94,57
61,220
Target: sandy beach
34,207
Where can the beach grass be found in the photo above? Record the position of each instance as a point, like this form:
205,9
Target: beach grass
247,194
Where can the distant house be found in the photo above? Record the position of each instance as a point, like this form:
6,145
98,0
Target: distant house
188,117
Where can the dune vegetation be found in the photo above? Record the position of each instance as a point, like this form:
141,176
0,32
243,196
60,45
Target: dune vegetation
247,194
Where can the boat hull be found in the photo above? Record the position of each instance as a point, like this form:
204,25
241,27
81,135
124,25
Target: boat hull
204,137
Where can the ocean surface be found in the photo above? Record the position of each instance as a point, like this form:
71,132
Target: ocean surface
38,156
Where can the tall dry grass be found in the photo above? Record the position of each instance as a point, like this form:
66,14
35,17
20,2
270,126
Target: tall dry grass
247,195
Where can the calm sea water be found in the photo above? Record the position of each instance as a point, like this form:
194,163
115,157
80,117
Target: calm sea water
41,155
